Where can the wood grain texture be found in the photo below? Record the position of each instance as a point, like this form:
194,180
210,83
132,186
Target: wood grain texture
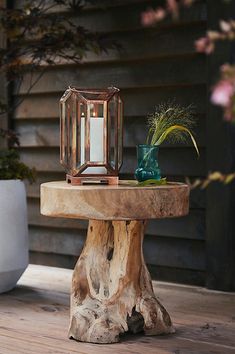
121,202
112,291
197,195
139,74
193,223
34,319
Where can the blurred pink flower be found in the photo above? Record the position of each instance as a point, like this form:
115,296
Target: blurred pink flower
228,114
222,93
226,68
188,2
225,26
204,45
172,6
160,14
151,16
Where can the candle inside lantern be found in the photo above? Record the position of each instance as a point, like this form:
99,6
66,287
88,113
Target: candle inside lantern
96,142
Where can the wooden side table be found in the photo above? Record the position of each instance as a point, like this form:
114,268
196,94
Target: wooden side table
111,288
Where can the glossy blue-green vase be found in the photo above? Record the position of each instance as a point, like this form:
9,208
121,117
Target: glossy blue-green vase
147,156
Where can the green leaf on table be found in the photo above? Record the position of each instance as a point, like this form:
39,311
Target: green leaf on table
151,182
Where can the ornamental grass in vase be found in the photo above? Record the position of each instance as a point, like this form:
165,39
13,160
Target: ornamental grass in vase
169,122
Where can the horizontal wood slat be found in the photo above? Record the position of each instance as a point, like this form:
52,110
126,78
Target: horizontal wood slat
191,226
41,133
158,250
55,240
137,102
162,72
176,275
140,44
179,161
179,253
52,259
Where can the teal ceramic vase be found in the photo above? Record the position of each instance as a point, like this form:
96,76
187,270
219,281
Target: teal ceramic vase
147,156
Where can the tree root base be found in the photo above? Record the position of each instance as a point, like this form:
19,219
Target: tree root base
112,291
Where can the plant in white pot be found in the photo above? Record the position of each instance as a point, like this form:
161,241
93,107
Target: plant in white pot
13,213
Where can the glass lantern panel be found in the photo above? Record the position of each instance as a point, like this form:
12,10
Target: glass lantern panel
63,134
96,112
66,130
71,108
81,117
95,125
120,133
112,129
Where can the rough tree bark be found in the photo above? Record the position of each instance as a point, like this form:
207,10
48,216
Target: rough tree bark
111,289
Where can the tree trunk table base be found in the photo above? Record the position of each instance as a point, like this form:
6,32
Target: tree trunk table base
112,291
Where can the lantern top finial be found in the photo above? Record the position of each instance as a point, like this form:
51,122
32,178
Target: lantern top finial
93,94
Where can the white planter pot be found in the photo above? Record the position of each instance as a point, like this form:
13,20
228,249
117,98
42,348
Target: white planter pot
13,233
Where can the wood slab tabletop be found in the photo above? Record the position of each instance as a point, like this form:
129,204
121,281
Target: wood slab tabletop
125,201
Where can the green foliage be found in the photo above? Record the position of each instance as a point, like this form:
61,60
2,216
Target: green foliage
44,33
212,177
148,182
171,122
12,168
10,165
39,34
11,137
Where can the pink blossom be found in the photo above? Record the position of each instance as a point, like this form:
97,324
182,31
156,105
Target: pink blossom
151,16
188,2
222,93
225,26
148,17
213,35
226,68
228,114
204,45
172,5
160,14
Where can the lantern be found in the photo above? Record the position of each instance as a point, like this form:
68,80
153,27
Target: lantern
91,135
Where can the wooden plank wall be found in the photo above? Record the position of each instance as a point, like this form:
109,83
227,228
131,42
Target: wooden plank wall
3,87
155,64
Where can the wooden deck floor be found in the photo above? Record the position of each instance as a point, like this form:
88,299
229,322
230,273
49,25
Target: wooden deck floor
34,319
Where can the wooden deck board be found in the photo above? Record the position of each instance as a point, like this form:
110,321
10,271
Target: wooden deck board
34,318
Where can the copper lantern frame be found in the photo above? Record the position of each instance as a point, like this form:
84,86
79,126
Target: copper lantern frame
91,147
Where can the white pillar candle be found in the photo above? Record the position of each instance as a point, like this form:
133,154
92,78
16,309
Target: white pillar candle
96,144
